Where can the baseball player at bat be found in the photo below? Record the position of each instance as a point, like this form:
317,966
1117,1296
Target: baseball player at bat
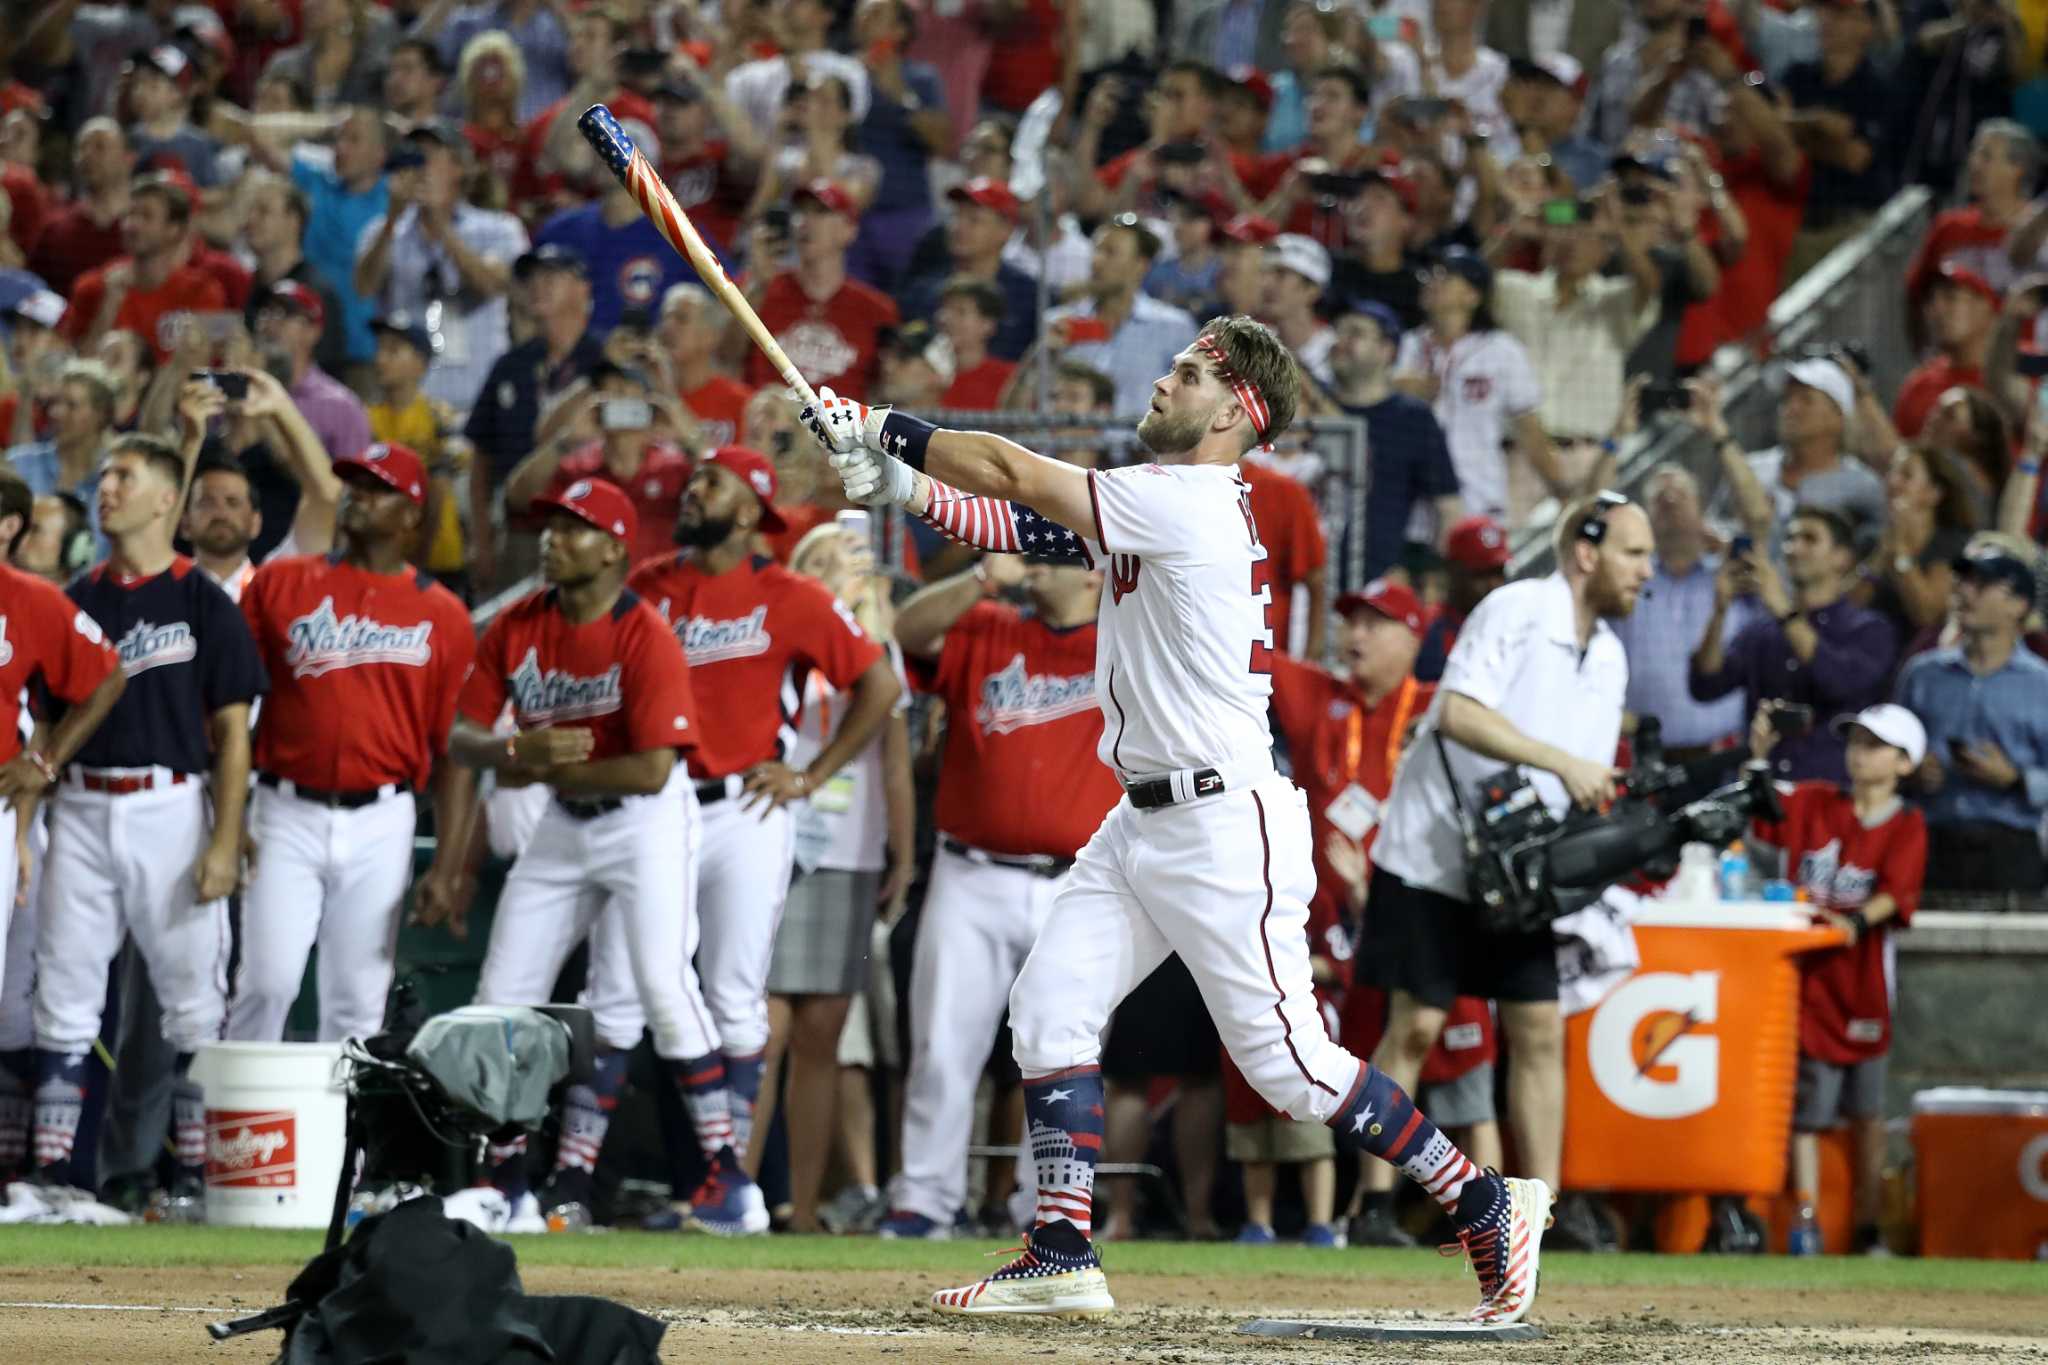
365,655
1208,851
1019,689
141,843
752,631
601,696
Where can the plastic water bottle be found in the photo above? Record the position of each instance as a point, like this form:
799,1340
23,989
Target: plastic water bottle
1734,873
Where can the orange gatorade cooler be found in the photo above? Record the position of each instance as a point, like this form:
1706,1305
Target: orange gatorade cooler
1681,1079
1982,1160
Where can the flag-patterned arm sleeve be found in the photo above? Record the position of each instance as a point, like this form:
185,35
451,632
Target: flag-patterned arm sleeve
1004,527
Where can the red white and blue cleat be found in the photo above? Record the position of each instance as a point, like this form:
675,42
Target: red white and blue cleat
1500,1231
1058,1275
728,1203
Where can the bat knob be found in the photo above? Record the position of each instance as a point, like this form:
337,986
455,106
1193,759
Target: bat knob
600,128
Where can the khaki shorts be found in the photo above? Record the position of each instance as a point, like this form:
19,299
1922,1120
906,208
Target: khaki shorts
1279,1141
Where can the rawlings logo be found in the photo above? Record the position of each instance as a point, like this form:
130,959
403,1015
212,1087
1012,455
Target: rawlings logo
1014,698
706,641
544,697
252,1148
148,646
320,642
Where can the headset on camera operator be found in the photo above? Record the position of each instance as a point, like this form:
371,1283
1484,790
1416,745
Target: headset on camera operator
1537,678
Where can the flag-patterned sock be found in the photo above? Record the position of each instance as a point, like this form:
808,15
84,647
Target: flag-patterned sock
188,1122
1064,1119
17,1110
60,1099
587,1112
1378,1117
505,1168
743,1082
708,1101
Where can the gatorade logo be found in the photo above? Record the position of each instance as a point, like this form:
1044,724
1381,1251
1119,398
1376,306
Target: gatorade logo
1648,1047
2034,1168
252,1149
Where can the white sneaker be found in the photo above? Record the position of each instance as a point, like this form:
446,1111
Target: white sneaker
24,1203
525,1216
482,1205
1059,1288
69,1205
1503,1247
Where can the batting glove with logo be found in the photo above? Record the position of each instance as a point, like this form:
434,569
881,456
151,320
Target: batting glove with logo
874,480
841,424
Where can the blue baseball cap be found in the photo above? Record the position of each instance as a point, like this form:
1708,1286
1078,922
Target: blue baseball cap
1388,320
551,256
408,329
1468,265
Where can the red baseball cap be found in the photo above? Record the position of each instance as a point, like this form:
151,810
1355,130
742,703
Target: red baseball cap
757,472
391,464
1251,229
598,502
1253,80
1395,601
1479,544
830,195
299,298
1962,277
990,194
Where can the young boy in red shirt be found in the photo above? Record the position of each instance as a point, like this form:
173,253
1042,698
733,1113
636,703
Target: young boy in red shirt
1859,854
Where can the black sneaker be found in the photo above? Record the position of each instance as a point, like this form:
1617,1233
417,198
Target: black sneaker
1376,1228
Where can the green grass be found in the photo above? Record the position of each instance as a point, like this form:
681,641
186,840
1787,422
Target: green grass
89,1247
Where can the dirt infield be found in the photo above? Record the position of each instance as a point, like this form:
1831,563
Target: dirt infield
140,1315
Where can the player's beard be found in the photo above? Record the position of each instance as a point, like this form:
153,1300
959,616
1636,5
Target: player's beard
704,534
1164,434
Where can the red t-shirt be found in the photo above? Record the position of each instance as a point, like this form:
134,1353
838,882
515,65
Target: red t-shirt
1965,237
496,152
1025,59
720,405
622,676
1845,1011
1021,716
656,490
72,244
387,651
981,388
836,342
713,196
751,635
1292,531
1752,282
235,279
1929,380
1258,174
188,289
46,636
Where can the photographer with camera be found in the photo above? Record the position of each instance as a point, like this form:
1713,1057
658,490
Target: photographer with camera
1537,678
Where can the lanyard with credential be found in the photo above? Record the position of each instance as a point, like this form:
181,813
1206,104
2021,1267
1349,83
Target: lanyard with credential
1354,731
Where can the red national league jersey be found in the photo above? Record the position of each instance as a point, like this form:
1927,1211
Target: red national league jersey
1021,716
622,676
751,636
44,637
1845,1012
364,671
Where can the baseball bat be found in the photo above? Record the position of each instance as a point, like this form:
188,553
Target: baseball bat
600,128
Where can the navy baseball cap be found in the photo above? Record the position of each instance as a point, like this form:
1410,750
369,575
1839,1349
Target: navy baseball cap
1467,265
551,256
1388,320
408,329
404,157
1992,565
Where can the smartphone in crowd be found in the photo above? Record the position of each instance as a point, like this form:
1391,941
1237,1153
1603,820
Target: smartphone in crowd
625,414
1560,212
233,385
1790,720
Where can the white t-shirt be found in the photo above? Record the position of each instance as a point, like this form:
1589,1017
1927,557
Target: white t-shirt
1519,655
1183,667
1484,381
844,825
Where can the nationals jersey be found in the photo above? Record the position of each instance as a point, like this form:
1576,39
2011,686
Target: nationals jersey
1021,716
1184,658
1292,531
187,653
1845,1012
383,654
1484,381
752,635
44,638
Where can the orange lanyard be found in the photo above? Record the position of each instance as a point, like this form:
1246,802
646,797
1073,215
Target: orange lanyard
1354,731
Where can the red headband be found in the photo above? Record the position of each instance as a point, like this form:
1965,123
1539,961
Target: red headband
1253,402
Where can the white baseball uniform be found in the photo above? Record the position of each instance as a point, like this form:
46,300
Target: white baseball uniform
1484,381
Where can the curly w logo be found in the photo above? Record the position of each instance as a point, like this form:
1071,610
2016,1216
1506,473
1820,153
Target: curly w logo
1123,576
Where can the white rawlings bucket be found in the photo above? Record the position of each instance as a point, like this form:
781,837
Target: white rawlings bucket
275,1130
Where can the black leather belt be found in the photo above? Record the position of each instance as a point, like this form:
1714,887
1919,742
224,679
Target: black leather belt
334,800
590,810
1159,791
1041,864
711,791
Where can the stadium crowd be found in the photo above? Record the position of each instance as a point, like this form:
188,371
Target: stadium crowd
1504,237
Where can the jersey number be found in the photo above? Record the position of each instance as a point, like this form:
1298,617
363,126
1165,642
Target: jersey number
1262,589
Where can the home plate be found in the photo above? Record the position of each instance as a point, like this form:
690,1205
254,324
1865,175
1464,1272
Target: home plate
1326,1329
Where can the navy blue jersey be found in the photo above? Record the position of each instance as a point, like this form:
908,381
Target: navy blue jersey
187,653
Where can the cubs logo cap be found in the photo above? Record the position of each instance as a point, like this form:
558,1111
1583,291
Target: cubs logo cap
757,472
1395,601
597,502
1891,723
391,464
1479,544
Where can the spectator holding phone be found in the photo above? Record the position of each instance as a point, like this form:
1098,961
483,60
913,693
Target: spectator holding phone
1655,73
1312,193
828,322
1543,100
1118,328
1984,780
1812,646
1807,467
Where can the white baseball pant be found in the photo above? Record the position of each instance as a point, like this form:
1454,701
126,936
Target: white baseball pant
742,880
624,878
125,863
326,876
1225,882
18,932
978,925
